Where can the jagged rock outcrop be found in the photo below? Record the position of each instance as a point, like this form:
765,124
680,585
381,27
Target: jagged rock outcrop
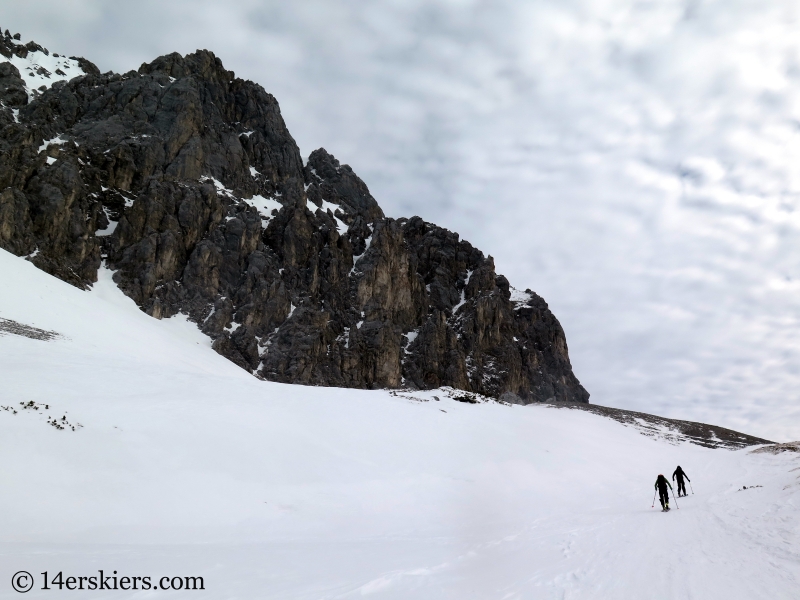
187,183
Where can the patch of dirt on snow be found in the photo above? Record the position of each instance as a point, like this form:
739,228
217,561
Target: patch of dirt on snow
778,448
9,326
55,422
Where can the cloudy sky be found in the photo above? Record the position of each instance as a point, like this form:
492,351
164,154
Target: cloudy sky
636,163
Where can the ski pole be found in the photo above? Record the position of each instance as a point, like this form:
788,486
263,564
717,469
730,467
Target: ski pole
654,500
690,486
673,497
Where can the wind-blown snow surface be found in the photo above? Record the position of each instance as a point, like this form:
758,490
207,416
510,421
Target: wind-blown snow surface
187,465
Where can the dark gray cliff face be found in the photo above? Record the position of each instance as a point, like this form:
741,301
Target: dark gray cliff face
186,182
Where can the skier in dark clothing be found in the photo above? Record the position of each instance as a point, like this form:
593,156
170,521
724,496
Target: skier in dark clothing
680,474
663,495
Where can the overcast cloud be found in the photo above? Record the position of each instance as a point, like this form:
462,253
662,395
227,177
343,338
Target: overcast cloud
635,163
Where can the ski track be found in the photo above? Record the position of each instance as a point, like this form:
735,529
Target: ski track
187,465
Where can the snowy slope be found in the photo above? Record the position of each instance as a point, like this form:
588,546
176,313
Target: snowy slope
186,465
40,70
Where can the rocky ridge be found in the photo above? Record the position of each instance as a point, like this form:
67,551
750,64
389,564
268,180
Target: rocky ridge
675,431
185,181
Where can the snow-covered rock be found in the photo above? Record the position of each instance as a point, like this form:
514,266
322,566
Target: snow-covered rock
185,180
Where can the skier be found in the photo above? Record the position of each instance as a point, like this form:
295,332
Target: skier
663,495
681,485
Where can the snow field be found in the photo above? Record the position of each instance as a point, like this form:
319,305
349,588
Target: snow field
187,465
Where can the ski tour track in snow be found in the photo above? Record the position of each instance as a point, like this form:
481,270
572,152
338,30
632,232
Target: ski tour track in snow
168,460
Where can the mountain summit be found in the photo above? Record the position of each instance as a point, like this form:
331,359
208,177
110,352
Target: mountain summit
185,182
